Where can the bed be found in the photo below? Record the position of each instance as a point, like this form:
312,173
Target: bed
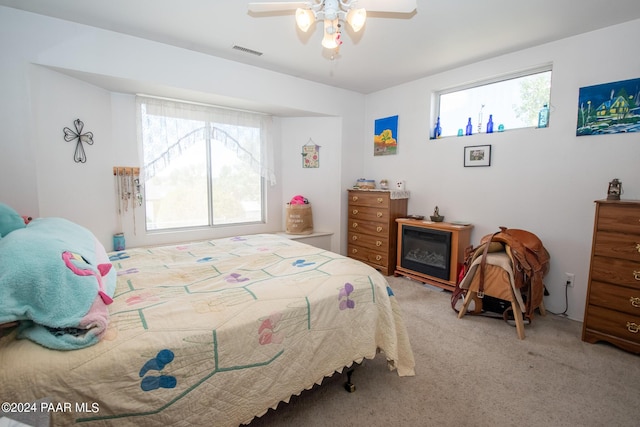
211,333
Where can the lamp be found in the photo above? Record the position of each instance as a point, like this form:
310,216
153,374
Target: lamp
331,38
333,13
356,18
615,189
304,19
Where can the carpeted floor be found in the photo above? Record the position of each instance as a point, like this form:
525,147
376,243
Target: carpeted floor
475,372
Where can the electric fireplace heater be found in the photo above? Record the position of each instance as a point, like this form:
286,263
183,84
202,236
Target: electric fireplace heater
427,251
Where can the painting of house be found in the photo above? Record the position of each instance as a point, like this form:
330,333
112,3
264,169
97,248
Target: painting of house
609,108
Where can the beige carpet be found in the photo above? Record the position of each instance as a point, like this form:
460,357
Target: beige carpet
475,372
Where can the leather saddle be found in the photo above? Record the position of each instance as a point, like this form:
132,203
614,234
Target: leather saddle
529,258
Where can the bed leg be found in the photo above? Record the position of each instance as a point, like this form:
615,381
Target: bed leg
349,386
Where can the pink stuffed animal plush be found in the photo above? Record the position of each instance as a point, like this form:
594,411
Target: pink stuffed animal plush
299,200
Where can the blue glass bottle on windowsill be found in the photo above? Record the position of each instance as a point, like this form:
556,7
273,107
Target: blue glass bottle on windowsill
490,124
437,131
469,129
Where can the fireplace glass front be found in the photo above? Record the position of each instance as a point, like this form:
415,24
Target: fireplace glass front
426,251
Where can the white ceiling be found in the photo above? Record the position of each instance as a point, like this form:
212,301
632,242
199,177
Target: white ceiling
390,50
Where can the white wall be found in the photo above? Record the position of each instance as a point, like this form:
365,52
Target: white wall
53,71
541,180
82,193
319,185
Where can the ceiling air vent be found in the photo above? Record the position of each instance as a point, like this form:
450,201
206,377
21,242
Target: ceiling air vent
247,50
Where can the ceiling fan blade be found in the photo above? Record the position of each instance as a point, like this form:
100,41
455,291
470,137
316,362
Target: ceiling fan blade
395,6
275,6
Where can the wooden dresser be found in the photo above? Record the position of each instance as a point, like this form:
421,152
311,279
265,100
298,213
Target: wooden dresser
612,310
372,227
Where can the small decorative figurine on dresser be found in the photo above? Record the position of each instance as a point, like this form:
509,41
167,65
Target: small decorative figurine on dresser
615,190
436,217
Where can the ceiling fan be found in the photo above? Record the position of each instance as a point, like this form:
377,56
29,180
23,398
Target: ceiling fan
334,13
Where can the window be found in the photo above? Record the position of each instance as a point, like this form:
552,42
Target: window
511,102
203,166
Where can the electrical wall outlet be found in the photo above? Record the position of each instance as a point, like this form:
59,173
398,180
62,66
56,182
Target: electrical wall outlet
569,278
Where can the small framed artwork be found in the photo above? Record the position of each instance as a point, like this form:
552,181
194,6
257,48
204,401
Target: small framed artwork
385,138
477,155
311,155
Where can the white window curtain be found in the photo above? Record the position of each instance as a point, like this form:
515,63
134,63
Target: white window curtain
236,128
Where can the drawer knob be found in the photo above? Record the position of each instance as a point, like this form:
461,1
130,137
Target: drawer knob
354,251
378,257
633,327
380,199
355,225
636,274
378,229
379,214
378,243
355,211
354,238
638,247
635,301
354,198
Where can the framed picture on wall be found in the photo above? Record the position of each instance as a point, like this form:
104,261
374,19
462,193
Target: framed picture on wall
477,155
385,138
609,108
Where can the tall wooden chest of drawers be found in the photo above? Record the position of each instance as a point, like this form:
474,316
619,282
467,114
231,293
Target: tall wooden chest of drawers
372,227
612,310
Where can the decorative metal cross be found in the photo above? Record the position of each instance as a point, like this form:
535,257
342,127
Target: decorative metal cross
69,135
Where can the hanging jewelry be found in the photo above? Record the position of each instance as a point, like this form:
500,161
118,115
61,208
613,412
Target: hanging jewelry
128,192
138,188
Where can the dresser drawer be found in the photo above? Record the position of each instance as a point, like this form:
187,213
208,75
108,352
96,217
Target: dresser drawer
372,256
614,297
617,245
621,218
364,213
369,227
381,243
615,323
619,271
364,198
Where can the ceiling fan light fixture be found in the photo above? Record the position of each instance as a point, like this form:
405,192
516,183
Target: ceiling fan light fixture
356,18
304,19
334,14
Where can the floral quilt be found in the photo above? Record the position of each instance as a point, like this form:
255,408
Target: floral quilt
213,333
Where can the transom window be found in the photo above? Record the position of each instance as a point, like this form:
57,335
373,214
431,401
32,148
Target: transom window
203,166
511,102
